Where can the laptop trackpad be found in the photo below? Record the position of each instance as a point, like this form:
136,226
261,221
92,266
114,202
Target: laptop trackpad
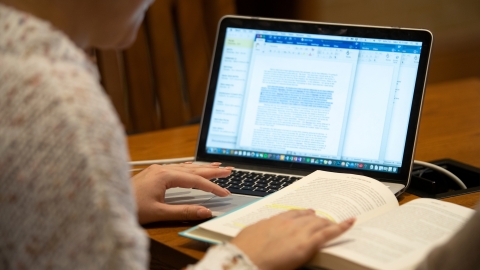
218,205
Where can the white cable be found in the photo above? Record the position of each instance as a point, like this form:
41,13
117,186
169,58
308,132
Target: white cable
161,161
442,170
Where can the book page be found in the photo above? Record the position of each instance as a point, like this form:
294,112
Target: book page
401,238
334,196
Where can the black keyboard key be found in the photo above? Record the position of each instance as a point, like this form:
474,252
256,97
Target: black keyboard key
221,180
232,177
247,192
274,182
240,174
255,183
262,181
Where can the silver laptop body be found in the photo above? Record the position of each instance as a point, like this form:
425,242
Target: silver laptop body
290,97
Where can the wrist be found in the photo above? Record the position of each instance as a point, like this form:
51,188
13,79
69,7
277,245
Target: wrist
225,256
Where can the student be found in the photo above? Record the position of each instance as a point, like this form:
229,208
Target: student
66,199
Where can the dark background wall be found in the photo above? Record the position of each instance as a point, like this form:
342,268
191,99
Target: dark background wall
455,24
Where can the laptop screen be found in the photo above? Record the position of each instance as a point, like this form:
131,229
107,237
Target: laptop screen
330,100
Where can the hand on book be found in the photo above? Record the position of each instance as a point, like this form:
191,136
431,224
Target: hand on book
150,186
287,240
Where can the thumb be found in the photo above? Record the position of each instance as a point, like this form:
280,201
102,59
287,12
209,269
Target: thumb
185,212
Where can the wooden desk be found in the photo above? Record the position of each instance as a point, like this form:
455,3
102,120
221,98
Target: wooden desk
450,128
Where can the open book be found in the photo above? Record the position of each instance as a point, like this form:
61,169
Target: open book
385,236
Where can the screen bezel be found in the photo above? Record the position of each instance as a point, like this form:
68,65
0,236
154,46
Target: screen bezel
360,31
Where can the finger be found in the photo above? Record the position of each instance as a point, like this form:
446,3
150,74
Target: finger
188,180
190,164
296,213
215,164
210,173
330,232
206,171
313,223
184,212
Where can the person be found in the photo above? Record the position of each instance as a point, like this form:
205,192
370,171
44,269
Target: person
66,197
66,200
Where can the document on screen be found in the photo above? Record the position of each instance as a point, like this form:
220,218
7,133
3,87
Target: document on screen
297,104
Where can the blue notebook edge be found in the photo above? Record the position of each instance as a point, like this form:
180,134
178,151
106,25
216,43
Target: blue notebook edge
187,234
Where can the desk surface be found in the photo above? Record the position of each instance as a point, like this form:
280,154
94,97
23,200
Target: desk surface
449,128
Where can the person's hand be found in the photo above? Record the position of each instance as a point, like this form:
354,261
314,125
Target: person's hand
151,184
287,240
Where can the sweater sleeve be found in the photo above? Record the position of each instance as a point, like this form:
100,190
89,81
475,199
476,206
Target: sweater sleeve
65,192
225,256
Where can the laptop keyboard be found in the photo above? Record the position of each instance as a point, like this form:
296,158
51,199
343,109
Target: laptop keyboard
253,183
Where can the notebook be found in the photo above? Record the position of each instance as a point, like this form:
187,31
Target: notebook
286,98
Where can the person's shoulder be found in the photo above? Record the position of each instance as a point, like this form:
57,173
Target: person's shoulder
36,82
40,61
43,98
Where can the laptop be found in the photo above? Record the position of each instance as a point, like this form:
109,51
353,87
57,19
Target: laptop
286,98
